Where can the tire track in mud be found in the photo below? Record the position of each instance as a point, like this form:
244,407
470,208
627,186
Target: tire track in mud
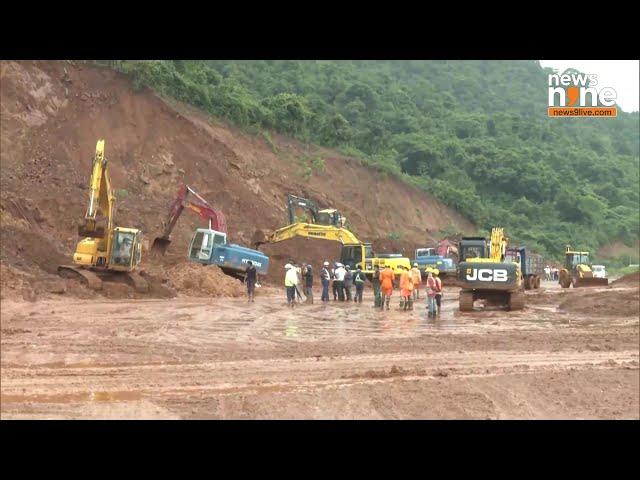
218,378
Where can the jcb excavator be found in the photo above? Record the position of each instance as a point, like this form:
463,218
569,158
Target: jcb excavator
483,273
328,224
577,271
104,251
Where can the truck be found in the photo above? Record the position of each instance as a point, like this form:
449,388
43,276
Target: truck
209,246
428,257
531,265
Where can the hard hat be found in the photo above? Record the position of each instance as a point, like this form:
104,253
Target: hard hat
347,267
326,264
288,266
415,264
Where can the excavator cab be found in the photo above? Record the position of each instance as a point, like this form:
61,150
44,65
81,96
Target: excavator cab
126,248
354,255
473,247
203,243
326,216
330,216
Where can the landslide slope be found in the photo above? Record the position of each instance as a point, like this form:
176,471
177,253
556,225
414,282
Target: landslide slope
53,112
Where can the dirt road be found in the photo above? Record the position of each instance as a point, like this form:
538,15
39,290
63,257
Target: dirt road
224,358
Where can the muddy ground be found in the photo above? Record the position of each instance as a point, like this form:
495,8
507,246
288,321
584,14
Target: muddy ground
202,358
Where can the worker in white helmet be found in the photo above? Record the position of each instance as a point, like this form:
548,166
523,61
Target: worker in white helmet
325,279
416,276
290,282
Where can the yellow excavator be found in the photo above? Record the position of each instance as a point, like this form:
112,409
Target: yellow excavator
104,252
577,271
328,224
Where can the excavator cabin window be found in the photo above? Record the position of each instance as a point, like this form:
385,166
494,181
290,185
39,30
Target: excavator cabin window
576,259
123,246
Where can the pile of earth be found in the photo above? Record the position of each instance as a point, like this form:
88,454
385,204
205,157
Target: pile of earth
18,284
190,279
608,302
629,279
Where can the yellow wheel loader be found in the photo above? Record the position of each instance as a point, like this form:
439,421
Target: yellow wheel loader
105,252
577,271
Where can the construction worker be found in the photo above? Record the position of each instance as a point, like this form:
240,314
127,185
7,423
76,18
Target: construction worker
406,289
386,285
431,293
436,275
325,279
298,270
250,279
334,285
417,280
348,282
339,281
290,279
375,281
308,282
359,279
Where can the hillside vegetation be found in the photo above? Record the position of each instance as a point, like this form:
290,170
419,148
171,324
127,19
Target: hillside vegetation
473,133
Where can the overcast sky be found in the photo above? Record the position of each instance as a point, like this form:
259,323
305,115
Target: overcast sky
621,75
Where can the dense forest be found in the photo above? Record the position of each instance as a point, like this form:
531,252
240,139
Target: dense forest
474,134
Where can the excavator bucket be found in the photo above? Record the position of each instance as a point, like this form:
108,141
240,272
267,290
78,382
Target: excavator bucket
259,237
160,245
92,228
590,282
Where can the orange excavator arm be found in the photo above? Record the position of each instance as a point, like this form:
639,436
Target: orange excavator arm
188,198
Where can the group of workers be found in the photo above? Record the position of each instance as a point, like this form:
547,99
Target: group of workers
551,273
342,280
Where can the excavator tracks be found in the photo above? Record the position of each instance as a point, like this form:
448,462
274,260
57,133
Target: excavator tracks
466,301
89,278
94,280
516,301
139,283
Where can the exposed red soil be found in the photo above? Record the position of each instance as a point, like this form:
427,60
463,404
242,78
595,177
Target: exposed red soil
54,112
628,279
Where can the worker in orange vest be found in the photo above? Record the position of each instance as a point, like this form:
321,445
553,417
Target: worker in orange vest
406,290
386,286
417,279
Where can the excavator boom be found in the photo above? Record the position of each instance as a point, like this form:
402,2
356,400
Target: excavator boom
188,198
98,218
327,232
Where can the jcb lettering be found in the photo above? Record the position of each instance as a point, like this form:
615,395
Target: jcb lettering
500,276
487,275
